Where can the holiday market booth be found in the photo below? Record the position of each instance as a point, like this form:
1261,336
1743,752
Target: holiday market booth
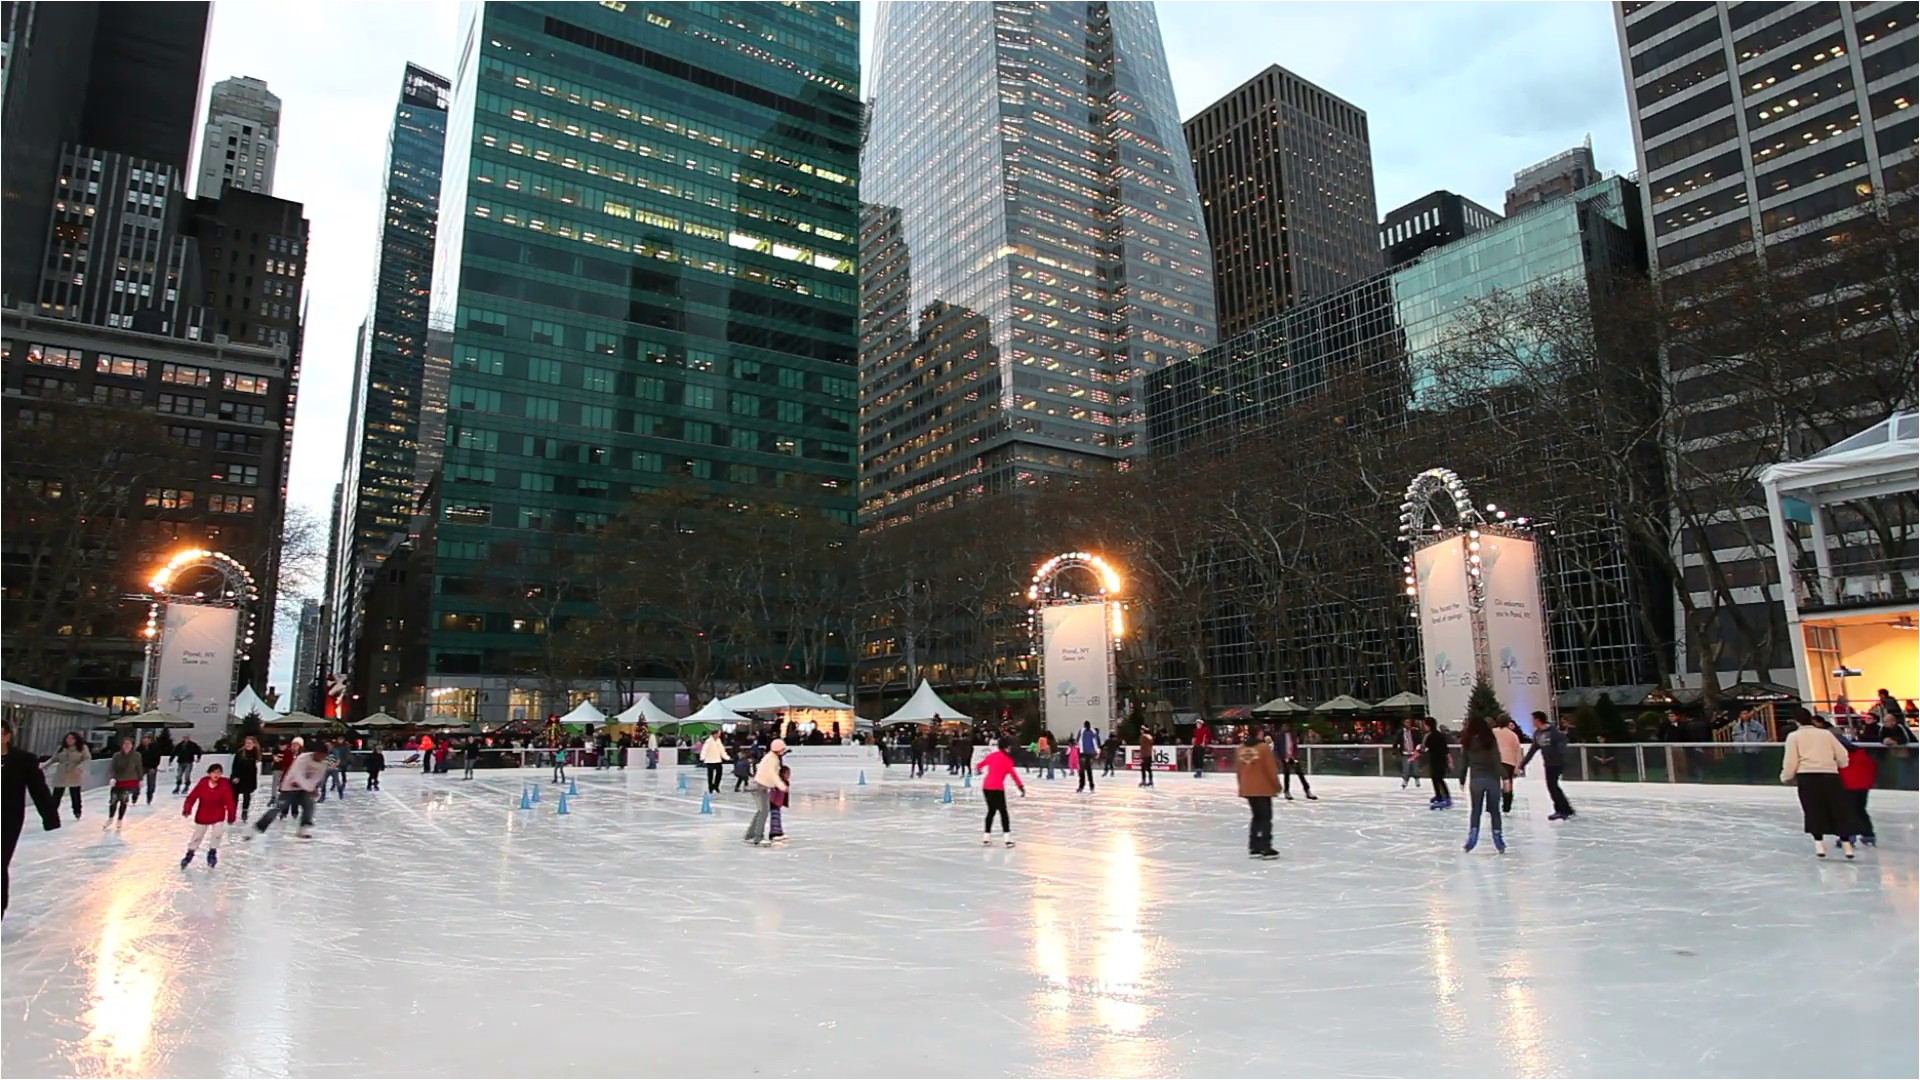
797,711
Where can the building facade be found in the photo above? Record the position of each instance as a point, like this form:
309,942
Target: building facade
384,424
190,453
1349,632
645,267
1770,129
1555,178
1285,171
1433,220
303,692
242,138
1054,253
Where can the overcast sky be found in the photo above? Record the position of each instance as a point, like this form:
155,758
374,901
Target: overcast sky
1458,96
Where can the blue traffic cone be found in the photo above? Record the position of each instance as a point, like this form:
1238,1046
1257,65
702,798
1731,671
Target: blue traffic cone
563,804
573,787
536,793
863,779
947,795
706,803
526,800
683,781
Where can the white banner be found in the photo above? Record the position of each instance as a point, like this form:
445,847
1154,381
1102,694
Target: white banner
1078,665
1516,638
196,667
1446,629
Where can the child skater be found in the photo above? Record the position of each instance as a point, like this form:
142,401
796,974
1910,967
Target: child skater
560,765
999,767
376,761
125,771
214,807
742,769
777,800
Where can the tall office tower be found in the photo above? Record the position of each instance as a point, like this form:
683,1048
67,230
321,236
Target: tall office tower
1027,159
1286,179
81,81
242,138
1780,130
1430,221
1555,178
306,659
645,262
383,434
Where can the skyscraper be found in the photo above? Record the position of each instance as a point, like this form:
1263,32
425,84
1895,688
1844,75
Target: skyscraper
242,138
1555,178
1034,224
1428,222
645,263
383,434
306,659
1777,130
1285,170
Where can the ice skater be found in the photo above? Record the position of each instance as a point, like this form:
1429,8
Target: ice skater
917,762
184,755
1146,758
1110,753
376,764
1858,778
1259,779
470,754
1409,753
714,756
998,768
70,768
1551,744
743,769
1290,764
246,775
1811,761
560,765
1507,734
1483,775
124,773
1088,743
214,807
151,755
777,801
1434,749
20,778
1203,738
302,778
337,759
766,780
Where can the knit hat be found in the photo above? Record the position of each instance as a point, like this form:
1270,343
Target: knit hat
779,746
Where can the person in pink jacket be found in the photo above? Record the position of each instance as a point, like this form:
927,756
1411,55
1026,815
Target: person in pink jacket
999,767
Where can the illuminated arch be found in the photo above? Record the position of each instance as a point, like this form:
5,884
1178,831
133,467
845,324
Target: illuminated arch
236,589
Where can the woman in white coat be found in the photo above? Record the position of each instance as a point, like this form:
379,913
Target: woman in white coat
766,779
713,754
1811,761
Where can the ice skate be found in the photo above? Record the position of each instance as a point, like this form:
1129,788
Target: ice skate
1311,797
305,833
1556,817
187,859
1846,848
213,858
1269,854
1819,849
1010,844
987,839
1473,839
1499,842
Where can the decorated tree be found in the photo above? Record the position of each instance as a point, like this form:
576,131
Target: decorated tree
1482,703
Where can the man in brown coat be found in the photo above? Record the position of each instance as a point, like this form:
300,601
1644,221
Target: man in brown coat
1259,775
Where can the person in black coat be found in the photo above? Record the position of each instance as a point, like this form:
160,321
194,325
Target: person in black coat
151,755
184,755
1435,751
244,774
20,776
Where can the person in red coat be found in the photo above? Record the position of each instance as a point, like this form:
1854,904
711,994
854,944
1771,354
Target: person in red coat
1202,738
214,806
1857,776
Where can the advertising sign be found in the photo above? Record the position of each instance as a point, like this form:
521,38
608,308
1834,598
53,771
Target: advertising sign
1078,665
1516,639
1446,629
196,666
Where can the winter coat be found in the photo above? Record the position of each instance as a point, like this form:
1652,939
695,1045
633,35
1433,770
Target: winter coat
1812,750
1860,771
1551,744
70,766
768,774
304,774
1257,770
151,755
212,801
125,770
186,754
1509,743
713,752
21,776
998,767
1482,760
246,771
1089,742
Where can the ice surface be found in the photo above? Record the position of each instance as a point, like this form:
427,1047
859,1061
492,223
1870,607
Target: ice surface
434,930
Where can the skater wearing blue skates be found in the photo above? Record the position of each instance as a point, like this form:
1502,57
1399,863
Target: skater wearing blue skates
1483,774
1434,749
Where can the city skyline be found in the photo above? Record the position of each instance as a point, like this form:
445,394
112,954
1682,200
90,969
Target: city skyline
1438,121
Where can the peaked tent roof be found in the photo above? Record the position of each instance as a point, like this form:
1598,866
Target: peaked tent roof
714,712
1342,703
584,713
1405,699
1281,705
781,695
923,707
246,703
643,710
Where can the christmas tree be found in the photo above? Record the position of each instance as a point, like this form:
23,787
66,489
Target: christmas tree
1482,703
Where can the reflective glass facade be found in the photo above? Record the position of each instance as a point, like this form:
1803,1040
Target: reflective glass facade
646,266
1032,247
1372,336
383,437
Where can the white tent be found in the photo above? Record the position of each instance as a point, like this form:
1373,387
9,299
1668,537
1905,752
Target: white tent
777,696
924,707
248,703
584,713
644,711
1342,703
1405,699
714,712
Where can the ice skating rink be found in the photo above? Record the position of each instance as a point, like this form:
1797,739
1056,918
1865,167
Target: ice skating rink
434,930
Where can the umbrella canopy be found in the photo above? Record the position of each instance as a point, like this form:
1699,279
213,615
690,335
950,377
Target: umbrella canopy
924,707
1405,699
297,720
644,711
714,713
775,696
1281,705
381,720
1343,703
247,703
153,718
584,713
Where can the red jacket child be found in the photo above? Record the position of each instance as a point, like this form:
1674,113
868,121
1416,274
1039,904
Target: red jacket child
215,802
1860,770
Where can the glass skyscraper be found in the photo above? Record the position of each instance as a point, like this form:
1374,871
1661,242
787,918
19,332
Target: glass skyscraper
646,263
1032,247
383,438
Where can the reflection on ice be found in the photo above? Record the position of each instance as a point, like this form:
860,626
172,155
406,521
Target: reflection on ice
432,929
